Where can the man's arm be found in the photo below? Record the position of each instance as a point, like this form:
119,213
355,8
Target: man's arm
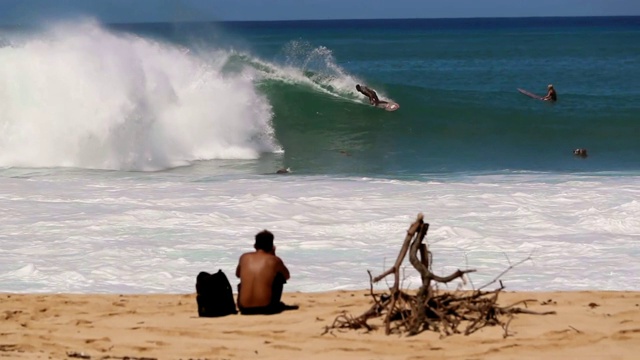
283,269
374,98
238,267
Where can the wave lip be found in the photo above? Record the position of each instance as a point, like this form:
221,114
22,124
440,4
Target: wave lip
79,95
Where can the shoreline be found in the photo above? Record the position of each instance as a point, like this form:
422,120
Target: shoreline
588,324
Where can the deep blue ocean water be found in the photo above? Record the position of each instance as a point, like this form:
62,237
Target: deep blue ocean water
456,82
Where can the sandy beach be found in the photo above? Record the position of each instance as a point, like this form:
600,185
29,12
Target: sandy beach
588,325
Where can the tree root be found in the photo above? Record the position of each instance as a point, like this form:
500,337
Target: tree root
448,313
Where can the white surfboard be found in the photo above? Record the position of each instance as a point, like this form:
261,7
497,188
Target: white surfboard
530,94
389,106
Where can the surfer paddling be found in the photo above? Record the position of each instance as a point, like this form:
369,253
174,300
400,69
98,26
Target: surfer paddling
551,94
373,97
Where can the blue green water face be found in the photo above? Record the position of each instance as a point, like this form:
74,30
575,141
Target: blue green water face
456,83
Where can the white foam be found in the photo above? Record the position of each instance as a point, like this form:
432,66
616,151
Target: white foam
312,66
155,233
78,95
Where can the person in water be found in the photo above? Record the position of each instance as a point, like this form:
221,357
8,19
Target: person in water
580,152
551,94
373,97
262,277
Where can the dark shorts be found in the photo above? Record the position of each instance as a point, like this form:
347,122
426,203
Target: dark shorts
263,310
268,310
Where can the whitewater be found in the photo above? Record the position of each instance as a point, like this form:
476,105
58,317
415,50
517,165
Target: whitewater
80,96
129,164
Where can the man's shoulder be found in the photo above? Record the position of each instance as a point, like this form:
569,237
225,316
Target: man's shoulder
246,255
257,254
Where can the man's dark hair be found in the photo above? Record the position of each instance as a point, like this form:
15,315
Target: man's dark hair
264,241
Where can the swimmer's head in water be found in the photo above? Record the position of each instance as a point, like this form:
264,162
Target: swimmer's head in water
580,152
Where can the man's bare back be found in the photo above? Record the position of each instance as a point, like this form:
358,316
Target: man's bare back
262,275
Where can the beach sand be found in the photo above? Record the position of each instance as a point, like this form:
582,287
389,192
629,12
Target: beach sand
588,325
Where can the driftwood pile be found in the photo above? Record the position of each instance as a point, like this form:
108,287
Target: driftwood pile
451,312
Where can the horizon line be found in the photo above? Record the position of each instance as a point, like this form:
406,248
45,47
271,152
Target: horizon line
393,18
440,18
329,19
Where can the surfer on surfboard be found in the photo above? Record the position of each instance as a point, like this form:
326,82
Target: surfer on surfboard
373,97
551,94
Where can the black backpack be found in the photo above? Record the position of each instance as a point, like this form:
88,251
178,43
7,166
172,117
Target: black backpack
214,295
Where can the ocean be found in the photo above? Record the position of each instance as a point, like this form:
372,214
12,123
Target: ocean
133,156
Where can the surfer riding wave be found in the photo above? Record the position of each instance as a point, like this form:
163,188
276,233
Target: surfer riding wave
371,94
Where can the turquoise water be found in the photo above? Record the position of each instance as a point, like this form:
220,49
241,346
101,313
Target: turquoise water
456,82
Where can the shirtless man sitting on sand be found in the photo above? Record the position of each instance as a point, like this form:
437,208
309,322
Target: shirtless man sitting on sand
262,276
